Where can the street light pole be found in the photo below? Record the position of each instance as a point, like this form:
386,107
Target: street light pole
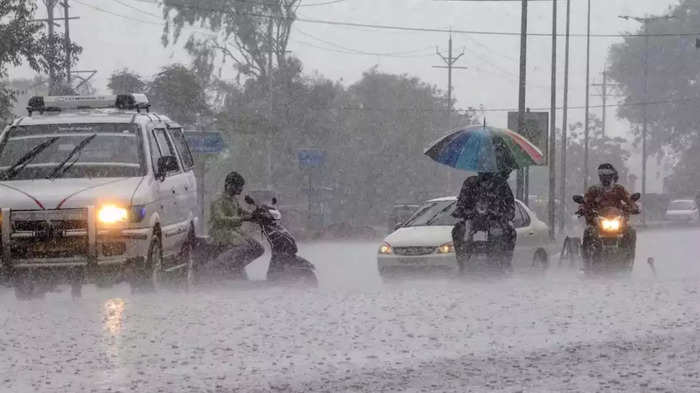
521,91
564,127
645,69
588,79
553,124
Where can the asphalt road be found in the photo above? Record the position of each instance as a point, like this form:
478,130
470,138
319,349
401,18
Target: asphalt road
554,333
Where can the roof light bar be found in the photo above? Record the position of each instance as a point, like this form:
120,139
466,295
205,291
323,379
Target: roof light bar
60,103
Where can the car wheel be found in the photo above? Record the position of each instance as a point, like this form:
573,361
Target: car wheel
148,276
540,260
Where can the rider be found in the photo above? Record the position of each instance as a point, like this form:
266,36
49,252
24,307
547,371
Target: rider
493,187
608,194
235,249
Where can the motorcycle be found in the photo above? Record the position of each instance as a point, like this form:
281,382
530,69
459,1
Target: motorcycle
484,236
285,265
607,251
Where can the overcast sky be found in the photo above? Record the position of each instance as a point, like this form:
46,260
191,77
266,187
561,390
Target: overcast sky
126,33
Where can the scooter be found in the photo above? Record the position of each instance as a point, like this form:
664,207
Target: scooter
606,253
483,236
285,265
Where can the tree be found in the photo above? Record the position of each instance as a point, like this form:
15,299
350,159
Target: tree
177,92
673,88
252,34
601,149
124,82
24,41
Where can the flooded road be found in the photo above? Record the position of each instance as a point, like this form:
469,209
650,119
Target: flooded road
552,333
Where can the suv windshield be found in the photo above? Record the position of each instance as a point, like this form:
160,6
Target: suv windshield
433,213
114,151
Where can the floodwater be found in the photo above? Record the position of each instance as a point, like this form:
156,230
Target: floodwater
554,333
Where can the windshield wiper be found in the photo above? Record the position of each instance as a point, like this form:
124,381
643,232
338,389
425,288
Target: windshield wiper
18,166
80,146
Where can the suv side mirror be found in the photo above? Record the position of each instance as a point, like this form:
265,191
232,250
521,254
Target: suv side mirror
274,200
636,196
166,164
578,199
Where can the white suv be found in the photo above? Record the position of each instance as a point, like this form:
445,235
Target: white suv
94,184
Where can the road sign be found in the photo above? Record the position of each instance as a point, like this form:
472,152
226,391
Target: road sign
536,129
205,142
311,158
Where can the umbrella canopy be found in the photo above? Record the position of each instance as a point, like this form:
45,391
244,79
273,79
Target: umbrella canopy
485,149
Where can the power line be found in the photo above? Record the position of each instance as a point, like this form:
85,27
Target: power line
400,54
138,9
400,28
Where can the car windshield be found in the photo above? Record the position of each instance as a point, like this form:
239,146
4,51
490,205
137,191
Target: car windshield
434,214
114,150
682,205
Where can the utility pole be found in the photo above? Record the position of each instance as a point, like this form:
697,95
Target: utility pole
564,127
520,183
645,59
604,93
450,61
271,51
50,5
450,65
588,86
66,40
553,124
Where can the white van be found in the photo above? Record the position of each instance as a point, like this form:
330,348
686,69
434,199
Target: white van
89,184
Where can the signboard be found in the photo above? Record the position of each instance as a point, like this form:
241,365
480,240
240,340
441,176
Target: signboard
536,129
311,158
205,142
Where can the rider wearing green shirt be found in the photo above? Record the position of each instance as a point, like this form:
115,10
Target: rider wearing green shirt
236,250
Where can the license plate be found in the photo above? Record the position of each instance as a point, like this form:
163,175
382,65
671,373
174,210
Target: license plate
413,261
480,236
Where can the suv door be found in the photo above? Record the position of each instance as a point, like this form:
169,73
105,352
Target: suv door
526,234
186,192
161,146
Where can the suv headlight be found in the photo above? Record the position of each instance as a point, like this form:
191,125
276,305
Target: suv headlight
111,214
385,249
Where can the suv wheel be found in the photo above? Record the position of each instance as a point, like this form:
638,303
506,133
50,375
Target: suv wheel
148,276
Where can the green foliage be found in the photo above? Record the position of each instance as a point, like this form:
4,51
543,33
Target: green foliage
373,132
251,34
178,93
124,82
673,88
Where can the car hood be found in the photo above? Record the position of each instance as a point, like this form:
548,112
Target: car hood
421,236
66,193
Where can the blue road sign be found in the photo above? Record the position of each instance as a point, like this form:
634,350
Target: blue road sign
205,142
311,158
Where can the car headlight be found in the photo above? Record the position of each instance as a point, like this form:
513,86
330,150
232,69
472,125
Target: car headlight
610,225
110,214
447,248
385,249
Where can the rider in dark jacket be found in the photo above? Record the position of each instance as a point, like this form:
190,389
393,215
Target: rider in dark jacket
608,194
494,188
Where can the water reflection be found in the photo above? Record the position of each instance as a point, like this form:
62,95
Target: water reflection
114,310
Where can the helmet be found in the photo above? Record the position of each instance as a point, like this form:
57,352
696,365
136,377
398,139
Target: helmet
607,174
234,183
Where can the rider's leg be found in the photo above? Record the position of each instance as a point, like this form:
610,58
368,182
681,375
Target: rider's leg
458,240
629,242
510,236
589,244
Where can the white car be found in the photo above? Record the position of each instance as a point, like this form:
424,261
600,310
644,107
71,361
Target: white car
424,242
89,184
683,210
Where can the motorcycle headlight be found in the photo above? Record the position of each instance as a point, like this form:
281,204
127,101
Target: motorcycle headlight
610,224
447,248
111,214
385,249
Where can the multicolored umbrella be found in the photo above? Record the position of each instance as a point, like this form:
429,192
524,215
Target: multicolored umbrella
485,149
